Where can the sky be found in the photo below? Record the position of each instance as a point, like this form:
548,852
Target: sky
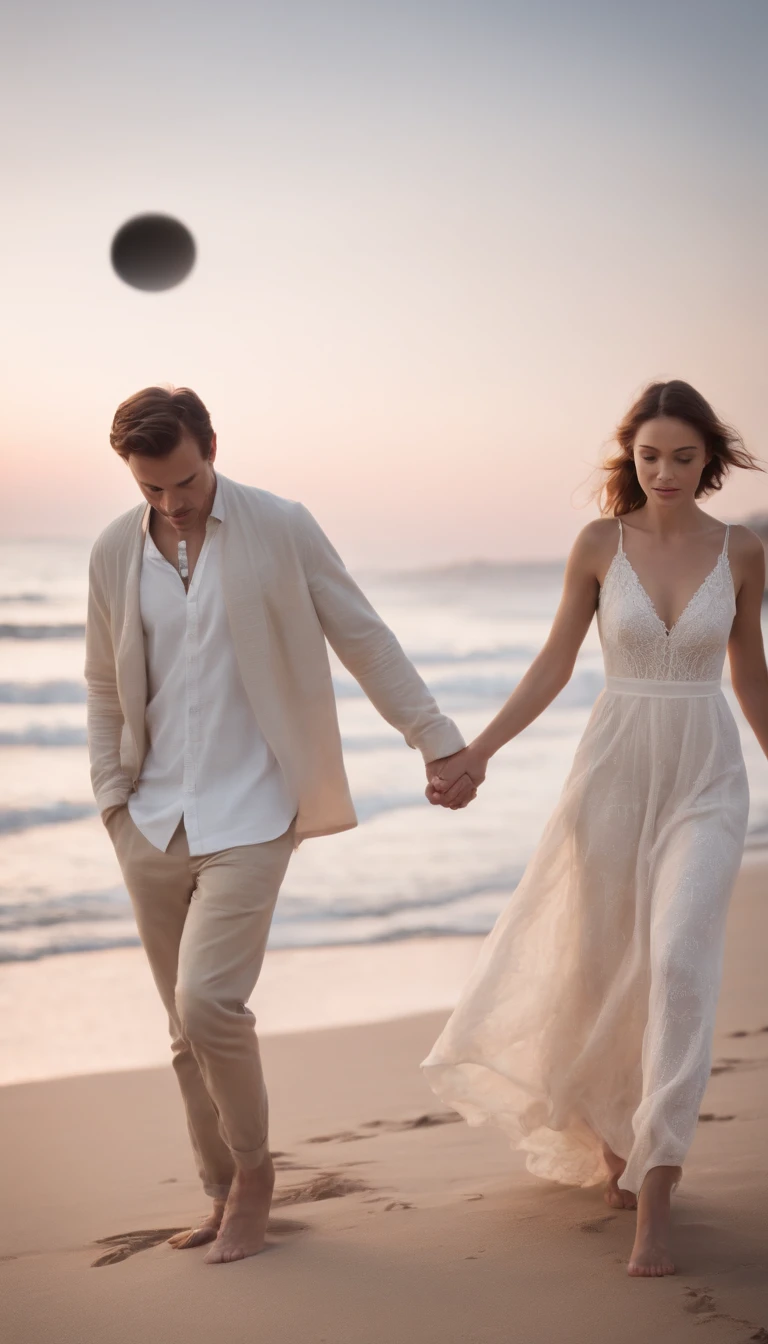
441,247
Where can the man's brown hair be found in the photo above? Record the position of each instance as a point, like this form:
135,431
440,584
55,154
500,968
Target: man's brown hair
152,421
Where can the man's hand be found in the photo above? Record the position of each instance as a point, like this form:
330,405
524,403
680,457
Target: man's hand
453,781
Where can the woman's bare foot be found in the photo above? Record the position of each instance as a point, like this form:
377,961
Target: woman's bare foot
613,1195
650,1257
244,1224
207,1231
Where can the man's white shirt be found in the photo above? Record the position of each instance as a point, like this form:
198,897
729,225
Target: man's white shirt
207,761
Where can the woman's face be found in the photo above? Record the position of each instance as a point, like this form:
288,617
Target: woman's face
669,458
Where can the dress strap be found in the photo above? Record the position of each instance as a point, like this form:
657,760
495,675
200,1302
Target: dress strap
621,537
725,543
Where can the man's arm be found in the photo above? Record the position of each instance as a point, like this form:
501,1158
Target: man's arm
111,785
370,651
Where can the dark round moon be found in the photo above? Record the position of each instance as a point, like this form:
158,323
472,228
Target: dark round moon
153,252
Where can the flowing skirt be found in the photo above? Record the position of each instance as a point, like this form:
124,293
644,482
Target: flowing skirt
590,1013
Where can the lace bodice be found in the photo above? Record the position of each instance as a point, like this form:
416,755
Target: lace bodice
635,640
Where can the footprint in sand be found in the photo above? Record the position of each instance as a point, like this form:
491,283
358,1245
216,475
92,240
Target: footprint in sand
285,1227
596,1224
426,1121
420,1122
325,1185
345,1136
726,1065
710,1115
124,1244
703,1305
700,1303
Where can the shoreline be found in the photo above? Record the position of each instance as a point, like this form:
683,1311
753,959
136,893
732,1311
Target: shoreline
84,1013
88,1013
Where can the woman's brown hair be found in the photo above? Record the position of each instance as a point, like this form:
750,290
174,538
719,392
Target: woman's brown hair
152,421
620,491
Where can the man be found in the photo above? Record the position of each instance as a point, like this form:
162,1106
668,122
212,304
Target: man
215,750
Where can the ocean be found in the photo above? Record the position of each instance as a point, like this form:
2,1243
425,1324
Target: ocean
409,870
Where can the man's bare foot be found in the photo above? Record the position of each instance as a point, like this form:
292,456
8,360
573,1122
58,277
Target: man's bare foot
650,1257
613,1195
207,1231
244,1224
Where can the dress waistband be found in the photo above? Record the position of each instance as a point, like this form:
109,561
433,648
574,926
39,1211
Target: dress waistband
670,690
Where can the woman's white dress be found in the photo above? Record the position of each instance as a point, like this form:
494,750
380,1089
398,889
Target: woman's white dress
590,1013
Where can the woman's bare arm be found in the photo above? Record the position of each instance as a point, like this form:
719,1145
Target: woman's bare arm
749,673
551,670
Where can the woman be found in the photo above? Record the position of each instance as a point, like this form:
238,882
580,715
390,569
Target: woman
585,1030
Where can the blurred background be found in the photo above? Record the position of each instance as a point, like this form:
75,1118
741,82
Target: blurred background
440,249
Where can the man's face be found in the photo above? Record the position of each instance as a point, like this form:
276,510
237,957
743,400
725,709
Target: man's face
180,486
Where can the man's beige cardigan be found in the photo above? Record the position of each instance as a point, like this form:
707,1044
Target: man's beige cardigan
286,592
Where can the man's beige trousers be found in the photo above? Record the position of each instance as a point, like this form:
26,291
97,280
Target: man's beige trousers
204,923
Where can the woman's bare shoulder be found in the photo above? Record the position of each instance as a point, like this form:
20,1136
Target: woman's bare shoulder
744,543
746,556
600,532
596,542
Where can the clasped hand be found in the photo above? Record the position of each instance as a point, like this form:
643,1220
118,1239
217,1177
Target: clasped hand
454,780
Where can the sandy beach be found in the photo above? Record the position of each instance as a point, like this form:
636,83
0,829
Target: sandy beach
392,1219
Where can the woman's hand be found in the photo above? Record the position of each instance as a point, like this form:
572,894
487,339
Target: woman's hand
454,782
